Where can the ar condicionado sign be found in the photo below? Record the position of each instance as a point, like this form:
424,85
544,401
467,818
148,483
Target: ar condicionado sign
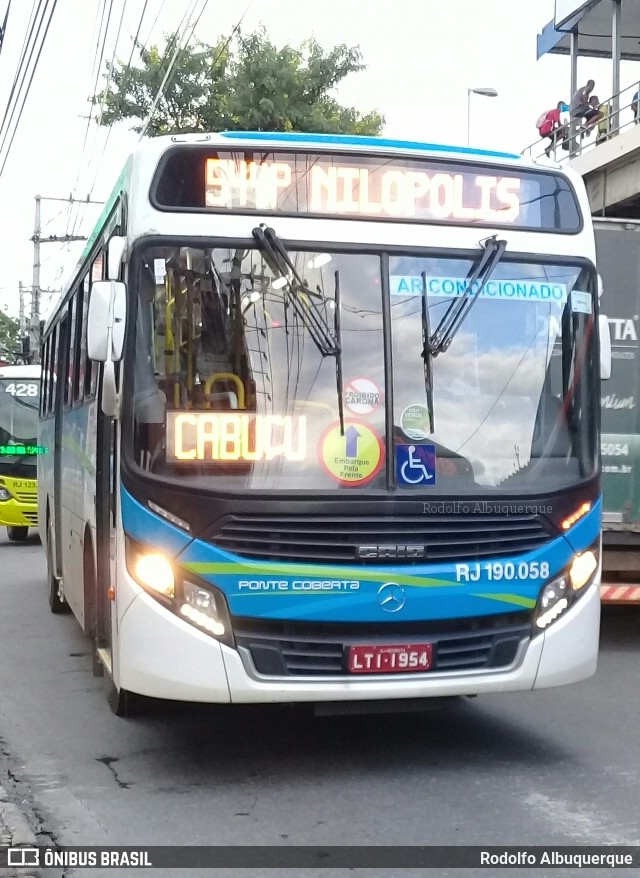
349,189
202,437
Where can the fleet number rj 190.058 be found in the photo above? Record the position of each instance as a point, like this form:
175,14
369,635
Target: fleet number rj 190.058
496,570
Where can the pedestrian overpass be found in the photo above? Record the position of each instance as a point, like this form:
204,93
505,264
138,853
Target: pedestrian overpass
608,159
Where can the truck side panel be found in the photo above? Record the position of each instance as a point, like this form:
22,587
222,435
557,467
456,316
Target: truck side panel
618,256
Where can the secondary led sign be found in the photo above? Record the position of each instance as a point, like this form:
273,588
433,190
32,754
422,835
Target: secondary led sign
204,437
23,450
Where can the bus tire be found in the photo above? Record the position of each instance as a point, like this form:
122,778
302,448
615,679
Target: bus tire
122,702
17,534
56,604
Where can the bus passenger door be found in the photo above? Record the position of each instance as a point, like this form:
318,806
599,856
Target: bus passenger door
59,390
106,469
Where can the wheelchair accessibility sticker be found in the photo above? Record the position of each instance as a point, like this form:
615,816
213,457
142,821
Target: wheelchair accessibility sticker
416,464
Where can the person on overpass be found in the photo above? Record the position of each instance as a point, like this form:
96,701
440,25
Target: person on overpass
604,122
550,125
581,107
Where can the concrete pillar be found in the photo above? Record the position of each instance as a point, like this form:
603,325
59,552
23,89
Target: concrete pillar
616,51
574,124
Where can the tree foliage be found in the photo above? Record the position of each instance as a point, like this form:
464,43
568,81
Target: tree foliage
10,343
246,84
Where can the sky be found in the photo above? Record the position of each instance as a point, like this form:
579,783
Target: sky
421,58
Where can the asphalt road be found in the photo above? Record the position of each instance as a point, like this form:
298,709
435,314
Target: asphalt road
555,767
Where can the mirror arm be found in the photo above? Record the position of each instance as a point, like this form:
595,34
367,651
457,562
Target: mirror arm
110,396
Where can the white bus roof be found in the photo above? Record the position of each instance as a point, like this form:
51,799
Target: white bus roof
25,371
140,167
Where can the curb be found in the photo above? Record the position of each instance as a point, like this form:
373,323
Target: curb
15,832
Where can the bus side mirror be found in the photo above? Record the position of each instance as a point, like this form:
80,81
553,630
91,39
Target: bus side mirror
106,321
605,348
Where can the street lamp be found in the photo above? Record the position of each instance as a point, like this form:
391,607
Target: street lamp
488,93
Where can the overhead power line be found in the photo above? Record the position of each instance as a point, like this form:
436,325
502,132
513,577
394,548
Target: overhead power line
97,67
179,36
3,29
81,210
52,5
29,40
106,89
167,76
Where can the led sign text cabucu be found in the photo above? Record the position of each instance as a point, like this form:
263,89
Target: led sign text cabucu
379,190
197,437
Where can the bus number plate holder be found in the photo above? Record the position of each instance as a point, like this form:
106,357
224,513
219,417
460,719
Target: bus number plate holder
398,658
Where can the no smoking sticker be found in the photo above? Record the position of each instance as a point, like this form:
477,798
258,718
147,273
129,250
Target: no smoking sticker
362,396
353,458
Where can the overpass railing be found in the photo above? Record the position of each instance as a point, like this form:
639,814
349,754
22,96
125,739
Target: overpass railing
573,139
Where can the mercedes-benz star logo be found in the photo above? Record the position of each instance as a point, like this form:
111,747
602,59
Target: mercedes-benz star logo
391,597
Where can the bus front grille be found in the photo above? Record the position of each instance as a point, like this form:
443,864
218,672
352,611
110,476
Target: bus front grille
397,539
26,496
304,649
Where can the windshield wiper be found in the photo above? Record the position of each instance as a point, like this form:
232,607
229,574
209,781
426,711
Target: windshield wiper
327,341
492,250
299,294
426,351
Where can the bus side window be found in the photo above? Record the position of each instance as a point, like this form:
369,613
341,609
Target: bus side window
51,396
68,398
45,377
78,369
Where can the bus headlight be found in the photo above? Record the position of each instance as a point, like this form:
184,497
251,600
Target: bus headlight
559,594
5,495
582,569
200,607
553,601
154,571
199,603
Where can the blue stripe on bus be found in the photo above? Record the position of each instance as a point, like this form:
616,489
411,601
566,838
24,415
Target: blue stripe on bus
353,140
147,527
587,530
434,591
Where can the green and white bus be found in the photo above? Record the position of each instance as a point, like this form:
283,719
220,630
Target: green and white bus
325,413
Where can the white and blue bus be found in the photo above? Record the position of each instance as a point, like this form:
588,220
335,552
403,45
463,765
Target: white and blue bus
325,412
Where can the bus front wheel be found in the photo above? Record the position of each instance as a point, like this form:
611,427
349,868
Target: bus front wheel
122,702
17,534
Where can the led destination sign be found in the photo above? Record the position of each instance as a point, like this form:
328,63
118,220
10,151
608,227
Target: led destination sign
202,437
354,190
366,187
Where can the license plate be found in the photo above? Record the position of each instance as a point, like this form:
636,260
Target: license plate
399,658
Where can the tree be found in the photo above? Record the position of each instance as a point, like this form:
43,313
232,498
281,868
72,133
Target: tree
244,84
10,343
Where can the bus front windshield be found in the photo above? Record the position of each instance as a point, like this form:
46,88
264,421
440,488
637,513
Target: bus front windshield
251,374
19,401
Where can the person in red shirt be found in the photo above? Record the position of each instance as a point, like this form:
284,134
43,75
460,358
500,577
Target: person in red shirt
550,125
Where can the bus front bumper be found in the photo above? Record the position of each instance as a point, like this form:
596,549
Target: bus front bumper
15,514
162,656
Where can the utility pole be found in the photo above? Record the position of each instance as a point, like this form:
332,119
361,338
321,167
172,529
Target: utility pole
23,325
21,320
35,287
37,241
